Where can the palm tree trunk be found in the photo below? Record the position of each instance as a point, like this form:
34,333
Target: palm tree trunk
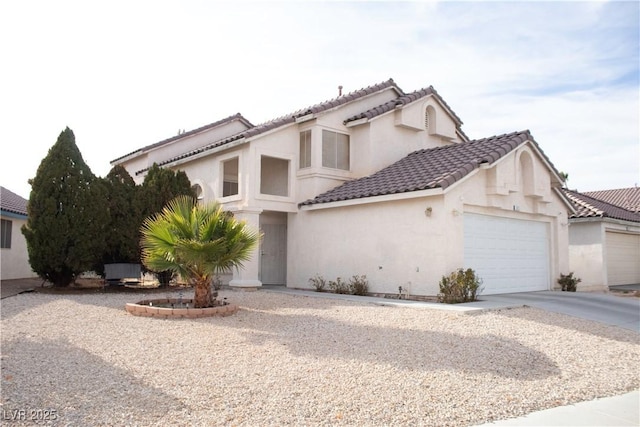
202,296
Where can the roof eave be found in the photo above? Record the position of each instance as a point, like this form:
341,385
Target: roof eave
565,199
12,214
183,160
374,199
603,218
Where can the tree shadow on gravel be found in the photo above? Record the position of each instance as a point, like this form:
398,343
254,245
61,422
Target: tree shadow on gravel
403,348
83,389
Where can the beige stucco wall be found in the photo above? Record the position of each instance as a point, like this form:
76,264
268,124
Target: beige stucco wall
586,254
392,243
15,261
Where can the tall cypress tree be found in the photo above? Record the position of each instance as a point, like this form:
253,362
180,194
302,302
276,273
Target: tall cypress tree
67,214
160,186
122,235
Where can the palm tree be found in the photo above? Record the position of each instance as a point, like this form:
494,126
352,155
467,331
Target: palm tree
197,242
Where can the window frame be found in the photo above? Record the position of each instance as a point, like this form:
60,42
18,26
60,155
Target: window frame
333,149
305,150
6,227
230,186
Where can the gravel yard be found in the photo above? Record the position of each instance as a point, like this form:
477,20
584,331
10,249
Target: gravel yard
293,360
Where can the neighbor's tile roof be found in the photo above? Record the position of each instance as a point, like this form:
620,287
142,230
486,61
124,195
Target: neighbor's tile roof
589,207
229,119
287,119
426,169
11,202
628,198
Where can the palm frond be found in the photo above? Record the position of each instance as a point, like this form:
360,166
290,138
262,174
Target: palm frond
195,241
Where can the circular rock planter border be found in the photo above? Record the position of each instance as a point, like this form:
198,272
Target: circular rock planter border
149,308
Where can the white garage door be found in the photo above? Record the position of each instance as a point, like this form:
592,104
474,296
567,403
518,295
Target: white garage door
510,255
623,258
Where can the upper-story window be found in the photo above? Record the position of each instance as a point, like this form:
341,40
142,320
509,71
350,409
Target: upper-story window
305,149
230,177
335,150
274,176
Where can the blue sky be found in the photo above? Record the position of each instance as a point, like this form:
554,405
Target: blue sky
125,74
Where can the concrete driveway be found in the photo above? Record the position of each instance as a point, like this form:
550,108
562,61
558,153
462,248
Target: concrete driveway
9,288
611,309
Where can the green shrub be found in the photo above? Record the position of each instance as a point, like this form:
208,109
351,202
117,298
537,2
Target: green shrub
339,286
358,285
318,282
459,286
568,282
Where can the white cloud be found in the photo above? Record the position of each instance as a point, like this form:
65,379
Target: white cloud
126,74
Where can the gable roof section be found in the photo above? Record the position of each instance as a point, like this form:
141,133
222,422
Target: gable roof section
226,120
12,203
589,207
406,99
428,168
627,198
401,101
287,119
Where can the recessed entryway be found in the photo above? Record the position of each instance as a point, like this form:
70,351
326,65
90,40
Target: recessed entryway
273,248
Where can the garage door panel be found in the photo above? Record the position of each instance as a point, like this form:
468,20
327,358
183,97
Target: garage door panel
623,258
509,255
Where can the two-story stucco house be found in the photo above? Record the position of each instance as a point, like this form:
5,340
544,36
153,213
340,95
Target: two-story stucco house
383,183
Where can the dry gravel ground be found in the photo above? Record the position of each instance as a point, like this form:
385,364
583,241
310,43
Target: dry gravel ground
292,360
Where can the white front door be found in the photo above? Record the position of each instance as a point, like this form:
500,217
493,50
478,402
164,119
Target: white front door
510,255
273,254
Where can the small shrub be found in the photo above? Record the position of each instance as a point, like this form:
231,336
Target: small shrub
568,283
459,286
339,286
358,285
319,283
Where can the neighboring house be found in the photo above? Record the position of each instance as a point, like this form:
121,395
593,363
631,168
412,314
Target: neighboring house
13,245
604,241
628,198
382,183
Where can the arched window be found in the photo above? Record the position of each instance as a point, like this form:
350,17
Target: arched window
527,179
430,120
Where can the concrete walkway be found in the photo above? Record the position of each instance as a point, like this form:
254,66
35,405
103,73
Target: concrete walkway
609,411
605,308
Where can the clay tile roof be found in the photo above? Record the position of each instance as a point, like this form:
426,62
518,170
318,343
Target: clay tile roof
286,119
11,202
341,100
427,169
402,101
590,207
628,198
229,119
